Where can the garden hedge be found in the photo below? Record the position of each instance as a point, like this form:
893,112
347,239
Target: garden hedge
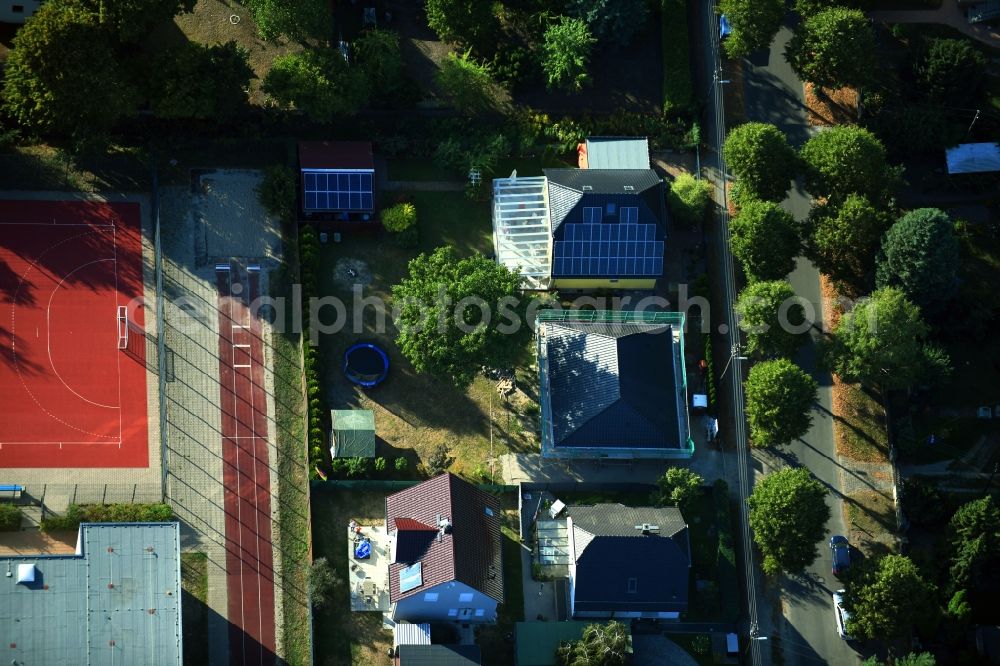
108,513
10,518
677,88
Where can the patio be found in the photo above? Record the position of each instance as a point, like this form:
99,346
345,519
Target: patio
369,576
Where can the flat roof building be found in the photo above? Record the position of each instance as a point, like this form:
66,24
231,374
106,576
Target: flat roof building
117,600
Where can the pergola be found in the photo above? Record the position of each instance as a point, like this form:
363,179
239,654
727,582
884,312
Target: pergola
522,239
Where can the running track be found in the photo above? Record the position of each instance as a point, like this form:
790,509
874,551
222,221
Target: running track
249,556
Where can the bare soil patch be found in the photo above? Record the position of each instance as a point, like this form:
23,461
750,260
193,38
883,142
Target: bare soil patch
829,106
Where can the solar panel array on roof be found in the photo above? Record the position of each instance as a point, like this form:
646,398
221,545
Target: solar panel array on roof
337,191
608,249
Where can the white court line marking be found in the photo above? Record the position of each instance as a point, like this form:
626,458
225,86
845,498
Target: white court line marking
56,224
118,357
60,443
48,340
13,337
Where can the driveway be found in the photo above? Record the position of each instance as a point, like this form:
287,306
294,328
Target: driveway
950,14
774,94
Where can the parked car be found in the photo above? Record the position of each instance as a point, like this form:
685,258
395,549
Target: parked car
841,554
842,615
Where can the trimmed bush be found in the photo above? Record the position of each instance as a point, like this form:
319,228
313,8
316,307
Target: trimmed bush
677,87
318,414
400,217
108,513
688,199
10,518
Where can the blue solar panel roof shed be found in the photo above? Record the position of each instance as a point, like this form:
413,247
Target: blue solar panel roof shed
337,190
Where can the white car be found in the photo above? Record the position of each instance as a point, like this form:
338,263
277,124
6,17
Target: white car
842,615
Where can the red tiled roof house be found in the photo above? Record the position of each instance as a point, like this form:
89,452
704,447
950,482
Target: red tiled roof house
445,552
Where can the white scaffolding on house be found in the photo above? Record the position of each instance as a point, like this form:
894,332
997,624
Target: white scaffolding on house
522,238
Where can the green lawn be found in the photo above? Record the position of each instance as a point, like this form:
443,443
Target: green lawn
343,636
451,218
416,168
194,590
292,464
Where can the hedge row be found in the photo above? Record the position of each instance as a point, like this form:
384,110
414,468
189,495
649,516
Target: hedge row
710,389
725,567
108,513
318,416
677,89
10,517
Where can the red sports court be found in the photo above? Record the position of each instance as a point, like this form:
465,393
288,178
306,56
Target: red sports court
73,368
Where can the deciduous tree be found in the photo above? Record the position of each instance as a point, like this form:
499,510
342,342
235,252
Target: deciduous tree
679,487
882,342
843,239
453,315
688,199
974,534
469,84
887,599
952,71
323,580
317,82
754,24
612,22
765,240
466,22
379,55
196,81
293,19
834,48
62,76
567,47
132,20
844,160
920,255
788,515
780,396
759,155
772,318
601,645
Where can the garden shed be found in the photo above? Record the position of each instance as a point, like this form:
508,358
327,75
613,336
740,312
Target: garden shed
353,433
337,180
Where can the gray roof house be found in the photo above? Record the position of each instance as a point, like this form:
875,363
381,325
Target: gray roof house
445,552
613,385
116,600
628,562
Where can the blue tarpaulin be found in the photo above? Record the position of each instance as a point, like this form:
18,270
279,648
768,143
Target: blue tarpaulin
363,550
724,27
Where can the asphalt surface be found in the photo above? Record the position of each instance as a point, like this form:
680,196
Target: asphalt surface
773,93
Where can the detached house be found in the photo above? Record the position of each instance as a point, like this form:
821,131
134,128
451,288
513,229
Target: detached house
628,562
613,385
579,229
445,552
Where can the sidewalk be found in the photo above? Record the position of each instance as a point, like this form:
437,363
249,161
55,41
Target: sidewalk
949,14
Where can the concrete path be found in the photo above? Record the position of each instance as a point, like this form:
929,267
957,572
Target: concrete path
424,185
950,14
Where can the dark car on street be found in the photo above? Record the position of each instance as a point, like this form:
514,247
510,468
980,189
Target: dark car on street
841,554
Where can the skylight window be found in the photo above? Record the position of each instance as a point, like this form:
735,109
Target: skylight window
410,578
633,585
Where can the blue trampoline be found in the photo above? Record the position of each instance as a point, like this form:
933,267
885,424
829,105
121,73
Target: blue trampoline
366,364
363,550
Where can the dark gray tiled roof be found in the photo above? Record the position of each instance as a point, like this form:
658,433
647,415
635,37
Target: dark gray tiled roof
568,196
612,385
610,552
439,655
470,553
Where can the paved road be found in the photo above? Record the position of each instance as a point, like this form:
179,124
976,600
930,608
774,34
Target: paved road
774,94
